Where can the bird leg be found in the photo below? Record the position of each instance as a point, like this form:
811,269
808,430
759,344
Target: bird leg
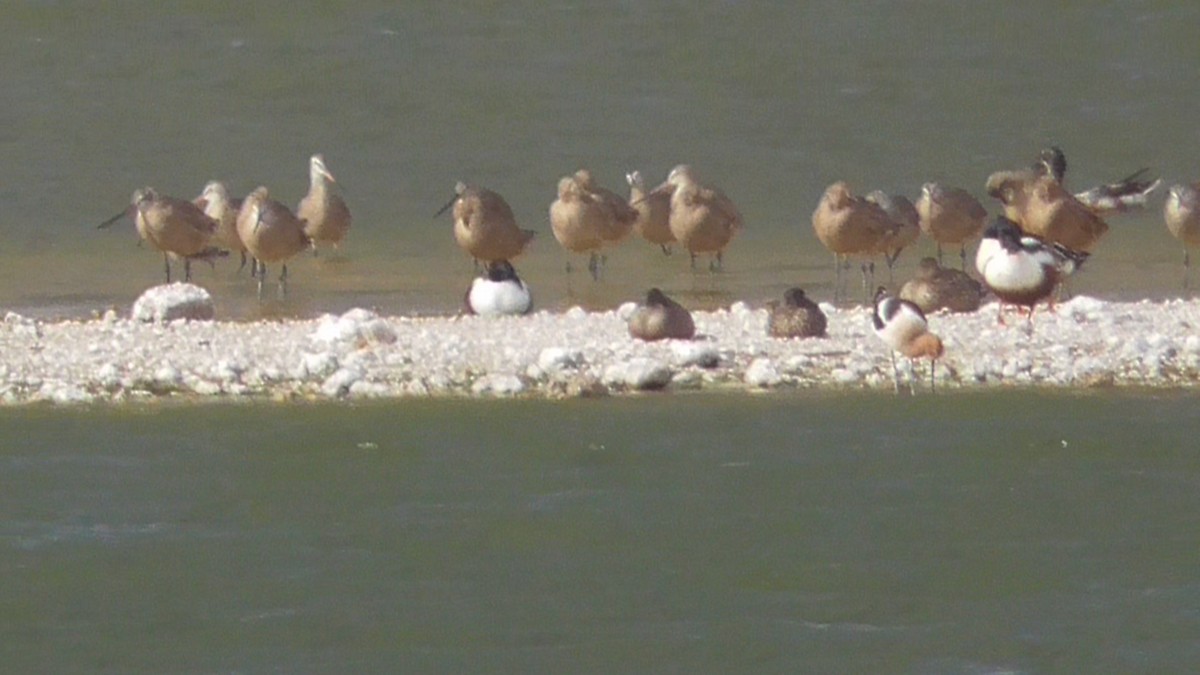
962,255
187,269
594,266
260,273
939,252
282,281
895,371
1187,263
716,264
665,249
693,256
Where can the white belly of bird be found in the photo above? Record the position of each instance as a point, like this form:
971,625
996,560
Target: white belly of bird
489,298
1015,271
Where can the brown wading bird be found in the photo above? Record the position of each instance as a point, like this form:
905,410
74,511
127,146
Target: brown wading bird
950,216
796,317
578,222
661,318
484,225
703,219
174,226
621,216
325,214
215,202
272,233
1037,200
654,213
936,287
1182,213
907,220
1045,209
852,226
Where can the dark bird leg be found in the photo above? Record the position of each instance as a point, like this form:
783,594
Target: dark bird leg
665,249
594,266
962,254
282,281
167,266
187,270
1187,263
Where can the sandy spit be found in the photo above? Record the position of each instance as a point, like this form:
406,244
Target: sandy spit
1086,342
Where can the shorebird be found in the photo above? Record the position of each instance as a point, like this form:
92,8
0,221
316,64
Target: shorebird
1014,187
1053,214
484,225
950,216
272,234
852,226
936,287
903,328
621,216
214,200
1022,270
702,219
660,318
325,214
578,222
796,317
174,226
902,212
654,213
1182,213
498,291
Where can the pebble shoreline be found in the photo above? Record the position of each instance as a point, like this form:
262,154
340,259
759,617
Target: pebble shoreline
1086,342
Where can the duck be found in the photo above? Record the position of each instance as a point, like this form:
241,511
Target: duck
578,222
654,212
324,212
216,203
271,233
702,218
950,216
935,287
1022,270
902,326
176,227
661,318
848,225
1182,214
499,291
904,214
796,317
484,224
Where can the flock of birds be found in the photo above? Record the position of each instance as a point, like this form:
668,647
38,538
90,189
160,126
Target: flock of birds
1045,232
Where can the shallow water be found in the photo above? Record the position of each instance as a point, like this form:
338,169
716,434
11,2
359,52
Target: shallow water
771,102
1013,532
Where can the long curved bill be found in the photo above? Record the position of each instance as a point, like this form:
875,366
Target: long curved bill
124,212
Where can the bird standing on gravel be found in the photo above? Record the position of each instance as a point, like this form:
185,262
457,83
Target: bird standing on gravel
903,328
1022,270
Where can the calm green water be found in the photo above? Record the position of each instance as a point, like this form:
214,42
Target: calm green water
771,101
1012,532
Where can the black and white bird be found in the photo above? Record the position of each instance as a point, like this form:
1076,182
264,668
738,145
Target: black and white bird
1020,269
499,291
903,328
